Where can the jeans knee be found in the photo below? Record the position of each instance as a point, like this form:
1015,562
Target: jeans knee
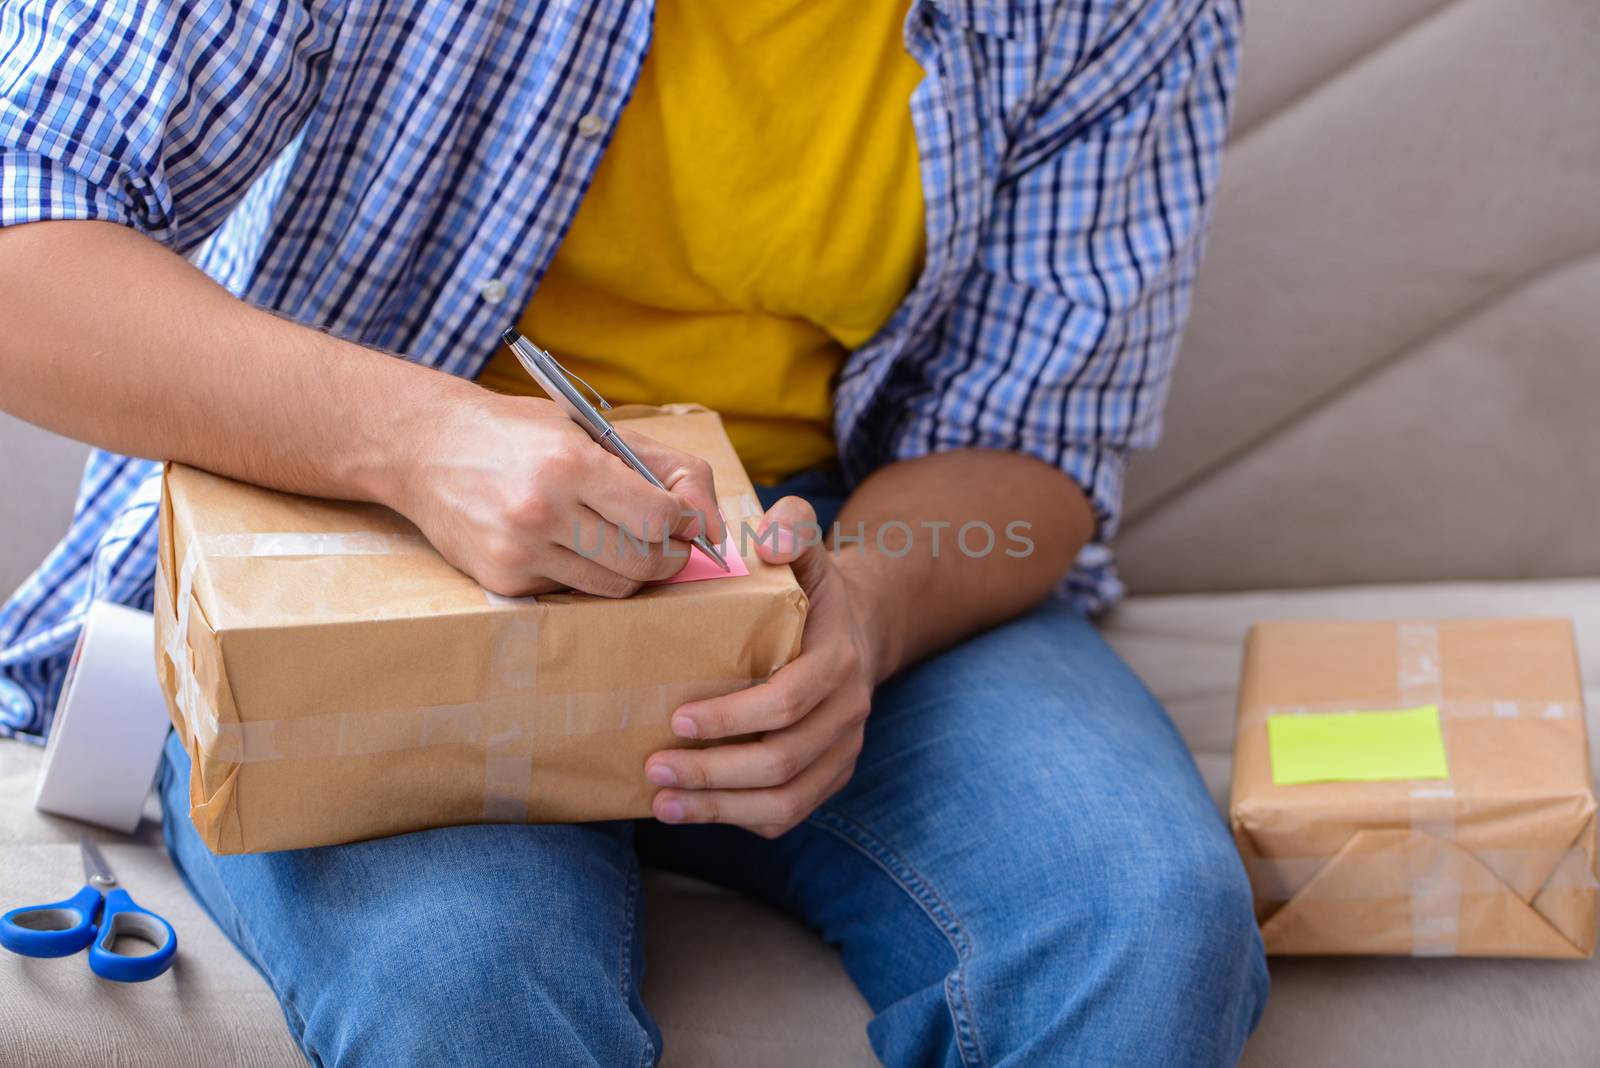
1153,958
1203,945
472,1000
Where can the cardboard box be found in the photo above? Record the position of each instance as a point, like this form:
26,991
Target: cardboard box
1494,858
334,679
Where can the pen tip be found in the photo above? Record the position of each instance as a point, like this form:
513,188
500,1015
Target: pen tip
705,546
511,337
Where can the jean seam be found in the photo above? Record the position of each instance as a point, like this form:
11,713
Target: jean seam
629,900
920,889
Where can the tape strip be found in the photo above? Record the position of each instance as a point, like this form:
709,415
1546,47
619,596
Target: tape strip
187,695
1448,709
1419,678
354,543
1435,885
514,663
507,776
1435,874
744,506
390,730
358,733
1524,872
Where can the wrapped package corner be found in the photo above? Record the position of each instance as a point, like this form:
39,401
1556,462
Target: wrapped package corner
333,679
1495,858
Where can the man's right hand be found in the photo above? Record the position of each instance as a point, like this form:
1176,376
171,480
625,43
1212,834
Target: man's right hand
517,495
176,367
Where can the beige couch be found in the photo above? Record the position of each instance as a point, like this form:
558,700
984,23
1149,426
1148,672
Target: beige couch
1391,377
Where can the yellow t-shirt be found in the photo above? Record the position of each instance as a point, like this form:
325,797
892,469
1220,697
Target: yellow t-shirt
758,215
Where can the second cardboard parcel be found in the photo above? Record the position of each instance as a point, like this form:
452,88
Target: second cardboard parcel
334,679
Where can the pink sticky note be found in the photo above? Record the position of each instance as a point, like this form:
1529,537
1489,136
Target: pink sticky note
700,566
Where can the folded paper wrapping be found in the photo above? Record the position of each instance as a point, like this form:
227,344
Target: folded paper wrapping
334,679
1495,859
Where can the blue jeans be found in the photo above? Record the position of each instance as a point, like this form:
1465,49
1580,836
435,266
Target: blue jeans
1025,870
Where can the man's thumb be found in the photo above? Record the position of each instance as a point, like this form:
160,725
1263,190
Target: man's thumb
788,531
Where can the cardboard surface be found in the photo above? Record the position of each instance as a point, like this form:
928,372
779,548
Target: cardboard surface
335,679
1497,859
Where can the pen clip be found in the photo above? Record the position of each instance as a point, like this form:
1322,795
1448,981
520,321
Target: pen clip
603,404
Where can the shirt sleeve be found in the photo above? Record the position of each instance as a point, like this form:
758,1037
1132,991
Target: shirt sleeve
156,115
1062,338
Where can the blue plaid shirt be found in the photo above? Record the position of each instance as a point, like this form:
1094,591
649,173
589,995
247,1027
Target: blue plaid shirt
400,174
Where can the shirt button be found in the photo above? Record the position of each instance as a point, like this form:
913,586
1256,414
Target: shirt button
591,125
493,291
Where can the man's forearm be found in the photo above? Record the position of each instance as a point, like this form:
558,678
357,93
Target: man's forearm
114,340
921,602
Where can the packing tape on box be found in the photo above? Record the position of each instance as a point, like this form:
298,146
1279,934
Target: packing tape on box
1449,708
186,693
744,506
1435,882
304,545
301,545
1420,682
493,722
354,543
1417,653
507,775
1524,872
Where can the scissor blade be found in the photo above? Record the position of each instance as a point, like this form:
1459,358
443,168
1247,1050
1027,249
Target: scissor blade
95,868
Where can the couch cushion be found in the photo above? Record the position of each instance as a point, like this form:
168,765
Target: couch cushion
734,983
1406,250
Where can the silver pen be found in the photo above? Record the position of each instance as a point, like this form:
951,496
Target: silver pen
556,381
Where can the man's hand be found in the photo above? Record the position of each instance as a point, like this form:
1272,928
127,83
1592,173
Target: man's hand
515,494
809,715
872,614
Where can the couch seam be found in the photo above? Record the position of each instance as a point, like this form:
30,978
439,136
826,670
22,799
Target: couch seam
1294,418
1360,59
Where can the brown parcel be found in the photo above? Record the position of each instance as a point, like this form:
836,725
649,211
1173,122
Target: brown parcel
334,679
1496,860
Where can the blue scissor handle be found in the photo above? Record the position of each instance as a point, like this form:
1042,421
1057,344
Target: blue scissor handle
54,930
121,918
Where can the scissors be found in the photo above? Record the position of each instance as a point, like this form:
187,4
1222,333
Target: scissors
101,908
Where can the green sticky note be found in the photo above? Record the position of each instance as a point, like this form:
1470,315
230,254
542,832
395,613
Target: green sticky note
1357,746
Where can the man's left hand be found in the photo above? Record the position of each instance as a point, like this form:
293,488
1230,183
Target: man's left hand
808,717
